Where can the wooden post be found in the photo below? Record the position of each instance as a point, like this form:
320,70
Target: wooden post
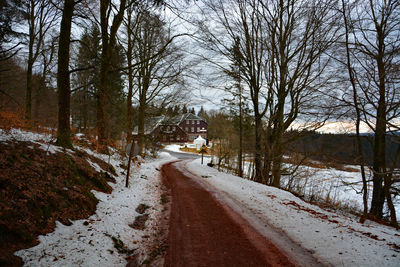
202,151
129,163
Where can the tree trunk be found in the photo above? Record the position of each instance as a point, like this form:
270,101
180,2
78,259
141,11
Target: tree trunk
141,136
28,97
129,109
388,196
379,160
101,101
240,156
277,161
258,156
85,111
358,115
63,78
108,39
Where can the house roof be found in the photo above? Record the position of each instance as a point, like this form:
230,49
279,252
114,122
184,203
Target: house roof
152,123
188,116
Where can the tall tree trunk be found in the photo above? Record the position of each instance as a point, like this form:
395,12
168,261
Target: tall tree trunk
258,149
277,161
379,159
129,108
141,116
108,41
28,97
388,183
63,78
388,196
358,115
85,110
101,100
240,156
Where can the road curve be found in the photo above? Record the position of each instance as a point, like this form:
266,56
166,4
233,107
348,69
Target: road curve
203,232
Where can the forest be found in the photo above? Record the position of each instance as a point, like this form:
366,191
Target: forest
274,72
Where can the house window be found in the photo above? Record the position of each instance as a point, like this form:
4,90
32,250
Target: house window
173,128
192,122
187,122
177,138
198,129
198,122
192,129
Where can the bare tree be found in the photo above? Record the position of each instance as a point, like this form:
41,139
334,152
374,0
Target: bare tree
131,27
373,46
355,102
298,35
159,65
238,22
281,47
42,16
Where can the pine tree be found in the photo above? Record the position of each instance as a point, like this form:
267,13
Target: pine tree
184,109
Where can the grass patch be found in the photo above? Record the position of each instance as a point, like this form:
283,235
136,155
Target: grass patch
188,149
120,246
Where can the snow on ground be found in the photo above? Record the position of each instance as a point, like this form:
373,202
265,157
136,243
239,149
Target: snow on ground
43,140
332,238
88,242
21,135
326,184
174,148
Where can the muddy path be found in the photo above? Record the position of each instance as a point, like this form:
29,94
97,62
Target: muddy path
205,232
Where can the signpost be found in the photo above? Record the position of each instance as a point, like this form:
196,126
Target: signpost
131,153
202,151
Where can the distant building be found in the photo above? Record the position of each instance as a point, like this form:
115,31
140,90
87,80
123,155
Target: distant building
178,129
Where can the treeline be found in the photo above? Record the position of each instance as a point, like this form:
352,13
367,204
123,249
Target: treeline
343,148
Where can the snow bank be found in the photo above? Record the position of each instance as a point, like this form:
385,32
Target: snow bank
327,184
88,242
43,140
21,135
174,148
332,238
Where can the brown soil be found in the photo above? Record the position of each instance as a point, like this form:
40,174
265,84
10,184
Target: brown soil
36,189
203,233
140,222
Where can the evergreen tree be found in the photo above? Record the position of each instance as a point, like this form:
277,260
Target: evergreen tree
184,109
87,85
85,82
201,112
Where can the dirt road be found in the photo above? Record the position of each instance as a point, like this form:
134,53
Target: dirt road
205,232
